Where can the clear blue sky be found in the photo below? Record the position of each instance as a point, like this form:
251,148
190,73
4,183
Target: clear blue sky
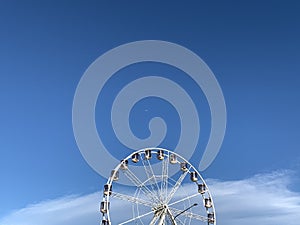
252,47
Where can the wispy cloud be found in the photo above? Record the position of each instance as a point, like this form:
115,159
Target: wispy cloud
75,210
263,199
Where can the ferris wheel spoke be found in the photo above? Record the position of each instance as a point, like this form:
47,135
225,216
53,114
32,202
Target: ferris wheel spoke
183,199
135,218
150,174
176,186
136,181
189,214
131,199
164,183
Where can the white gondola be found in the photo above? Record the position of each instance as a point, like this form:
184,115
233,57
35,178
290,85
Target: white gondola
135,158
194,177
115,175
211,218
201,188
148,154
160,154
124,164
207,202
104,206
173,159
107,189
105,222
183,166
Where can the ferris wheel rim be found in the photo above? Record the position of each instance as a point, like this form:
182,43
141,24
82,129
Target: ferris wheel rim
111,180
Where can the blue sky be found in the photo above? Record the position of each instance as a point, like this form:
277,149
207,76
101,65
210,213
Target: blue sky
252,47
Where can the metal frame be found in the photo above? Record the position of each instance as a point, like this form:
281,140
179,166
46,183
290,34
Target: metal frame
157,192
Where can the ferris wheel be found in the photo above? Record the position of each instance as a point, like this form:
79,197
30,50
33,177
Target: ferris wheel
164,189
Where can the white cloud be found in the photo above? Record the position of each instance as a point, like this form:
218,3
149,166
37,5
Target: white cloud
75,210
263,199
